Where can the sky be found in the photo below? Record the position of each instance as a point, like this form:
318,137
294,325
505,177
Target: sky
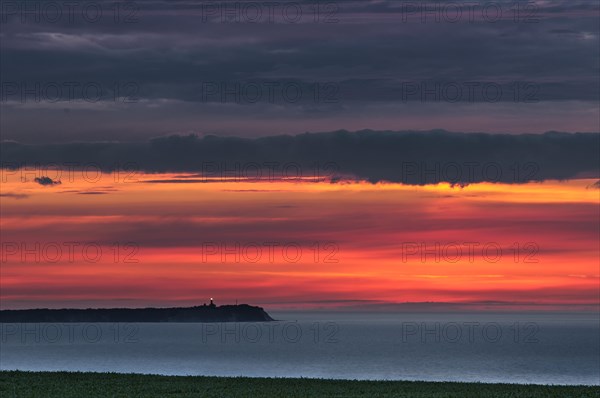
148,239
152,68
354,155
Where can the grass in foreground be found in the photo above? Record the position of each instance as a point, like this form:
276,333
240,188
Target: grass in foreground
67,384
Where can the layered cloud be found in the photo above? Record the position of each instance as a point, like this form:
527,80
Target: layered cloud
159,68
406,157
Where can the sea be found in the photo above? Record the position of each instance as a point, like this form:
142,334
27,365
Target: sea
541,348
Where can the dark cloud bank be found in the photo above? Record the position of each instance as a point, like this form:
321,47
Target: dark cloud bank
409,157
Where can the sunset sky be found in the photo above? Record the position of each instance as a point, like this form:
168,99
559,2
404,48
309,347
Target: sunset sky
418,135
322,244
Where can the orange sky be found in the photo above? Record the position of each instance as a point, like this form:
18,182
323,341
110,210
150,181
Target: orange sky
300,244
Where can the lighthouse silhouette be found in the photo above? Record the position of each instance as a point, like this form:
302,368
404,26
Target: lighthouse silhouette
212,304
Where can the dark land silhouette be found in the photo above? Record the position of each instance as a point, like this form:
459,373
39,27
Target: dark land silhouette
203,313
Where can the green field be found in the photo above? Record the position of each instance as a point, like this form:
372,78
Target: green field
65,384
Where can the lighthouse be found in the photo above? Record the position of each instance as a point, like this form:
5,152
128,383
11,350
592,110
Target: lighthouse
212,304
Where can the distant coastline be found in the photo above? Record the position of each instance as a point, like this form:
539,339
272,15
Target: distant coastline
203,313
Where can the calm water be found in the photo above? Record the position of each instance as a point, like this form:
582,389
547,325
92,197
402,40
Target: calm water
525,348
